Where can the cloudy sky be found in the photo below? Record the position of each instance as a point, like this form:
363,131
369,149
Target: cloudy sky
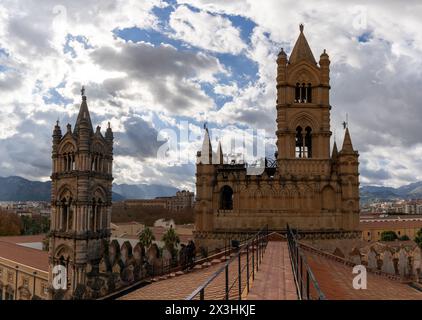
155,68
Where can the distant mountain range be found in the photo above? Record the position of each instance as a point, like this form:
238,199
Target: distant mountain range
20,189
409,191
143,191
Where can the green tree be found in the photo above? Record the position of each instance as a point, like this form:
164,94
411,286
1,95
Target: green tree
418,238
171,240
146,237
404,238
34,225
388,236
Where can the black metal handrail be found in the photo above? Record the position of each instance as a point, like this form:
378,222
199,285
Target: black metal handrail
254,250
302,273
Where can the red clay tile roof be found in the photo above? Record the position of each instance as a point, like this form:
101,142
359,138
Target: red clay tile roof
335,280
365,225
27,256
23,239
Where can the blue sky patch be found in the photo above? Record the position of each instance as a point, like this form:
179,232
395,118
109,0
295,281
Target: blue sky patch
245,26
81,39
54,96
365,37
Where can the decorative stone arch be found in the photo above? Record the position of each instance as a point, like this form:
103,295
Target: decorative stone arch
65,192
303,71
126,252
99,193
98,147
98,155
67,146
328,198
138,253
113,252
307,196
97,211
67,151
304,119
63,251
65,206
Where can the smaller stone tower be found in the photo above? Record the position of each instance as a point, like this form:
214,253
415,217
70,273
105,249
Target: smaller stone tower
80,201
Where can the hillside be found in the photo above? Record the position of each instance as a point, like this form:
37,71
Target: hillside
372,193
148,215
16,188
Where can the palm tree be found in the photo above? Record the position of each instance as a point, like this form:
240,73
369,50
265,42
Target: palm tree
171,240
146,237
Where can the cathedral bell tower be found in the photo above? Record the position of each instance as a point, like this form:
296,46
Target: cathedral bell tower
80,203
303,106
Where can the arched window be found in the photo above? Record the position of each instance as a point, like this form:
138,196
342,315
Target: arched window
93,216
226,198
308,143
309,93
303,93
299,142
65,162
73,166
67,215
297,93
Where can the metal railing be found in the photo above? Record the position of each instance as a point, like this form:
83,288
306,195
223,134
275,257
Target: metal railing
307,287
233,287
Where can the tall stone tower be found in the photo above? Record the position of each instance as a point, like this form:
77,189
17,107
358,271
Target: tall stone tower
303,106
80,201
306,186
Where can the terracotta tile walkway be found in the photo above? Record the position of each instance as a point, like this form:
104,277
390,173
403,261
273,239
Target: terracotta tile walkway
180,287
274,280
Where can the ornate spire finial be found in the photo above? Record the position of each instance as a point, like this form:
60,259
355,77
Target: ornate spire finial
83,91
346,123
205,125
301,27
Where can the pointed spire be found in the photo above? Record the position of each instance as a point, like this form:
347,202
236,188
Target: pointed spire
84,119
109,133
57,132
335,152
220,156
206,151
301,50
347,142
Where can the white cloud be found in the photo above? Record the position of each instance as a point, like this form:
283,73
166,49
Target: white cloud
375,82
207,31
